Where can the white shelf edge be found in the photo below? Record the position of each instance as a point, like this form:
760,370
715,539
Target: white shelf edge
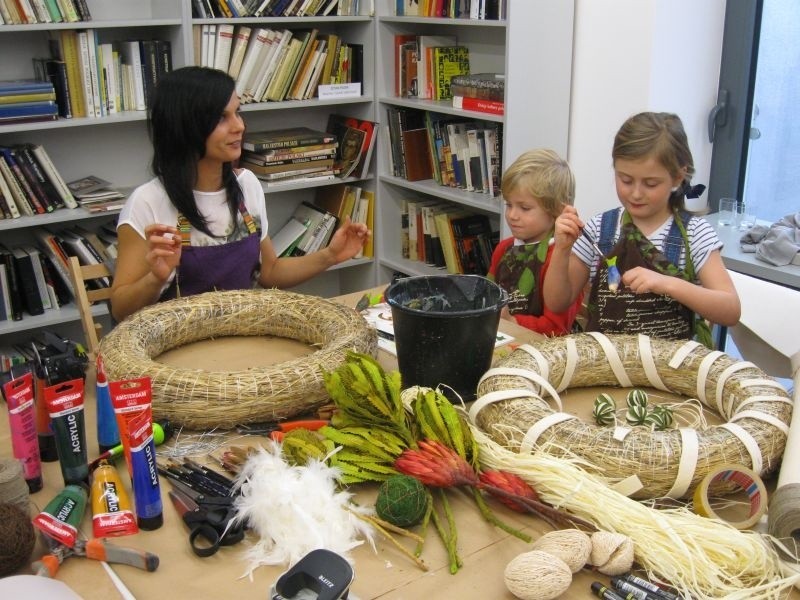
54,316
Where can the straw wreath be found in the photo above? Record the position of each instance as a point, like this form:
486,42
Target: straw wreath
514,407
199,399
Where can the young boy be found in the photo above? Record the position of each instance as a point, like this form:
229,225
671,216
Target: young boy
536,187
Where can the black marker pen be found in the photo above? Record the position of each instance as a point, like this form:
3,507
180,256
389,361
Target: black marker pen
634,590
605,593
655,590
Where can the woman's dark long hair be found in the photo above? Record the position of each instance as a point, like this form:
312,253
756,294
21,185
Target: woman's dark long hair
185,108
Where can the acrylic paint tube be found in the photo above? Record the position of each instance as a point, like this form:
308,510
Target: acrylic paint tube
44,427
22,424
62,516
111,507
65,405
132,404
107,430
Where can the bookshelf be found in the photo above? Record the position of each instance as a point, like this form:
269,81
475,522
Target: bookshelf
534,50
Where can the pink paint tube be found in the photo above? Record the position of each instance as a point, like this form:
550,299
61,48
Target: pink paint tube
22,422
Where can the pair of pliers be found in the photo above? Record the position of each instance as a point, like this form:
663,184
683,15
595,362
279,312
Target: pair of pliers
95,548
208,517
277,430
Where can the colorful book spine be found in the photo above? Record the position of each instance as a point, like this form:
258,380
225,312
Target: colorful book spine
492,107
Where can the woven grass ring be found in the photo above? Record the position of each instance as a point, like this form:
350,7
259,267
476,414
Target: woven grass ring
200,399
516,398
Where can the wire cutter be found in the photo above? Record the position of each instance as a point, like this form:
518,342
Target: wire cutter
208,517
95,548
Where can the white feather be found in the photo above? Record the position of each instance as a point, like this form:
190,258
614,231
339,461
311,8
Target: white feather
295,510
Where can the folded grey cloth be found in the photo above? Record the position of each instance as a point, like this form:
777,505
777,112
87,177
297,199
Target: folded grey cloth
781,243
749,241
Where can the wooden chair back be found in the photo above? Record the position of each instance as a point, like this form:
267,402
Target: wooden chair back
86,297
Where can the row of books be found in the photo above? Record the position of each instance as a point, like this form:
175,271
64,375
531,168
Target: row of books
24,12
452,9
312,224
95,78
452,151
23,101
34,278
425,65
344,149
275,65
30,184
446,236
209,9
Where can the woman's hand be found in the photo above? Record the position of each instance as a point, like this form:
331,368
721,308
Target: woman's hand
348,240
164,249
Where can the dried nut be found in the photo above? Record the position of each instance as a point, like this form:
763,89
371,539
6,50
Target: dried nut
572,546
537,575
612,553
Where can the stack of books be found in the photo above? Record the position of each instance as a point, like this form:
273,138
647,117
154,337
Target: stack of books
210,9
480,92
290,155
28,12
26,100
30,183
277,64
95,194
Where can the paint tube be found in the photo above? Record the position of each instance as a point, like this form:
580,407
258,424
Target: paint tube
132,402
107,430
65,405
44,427
62,516
111,508
22,423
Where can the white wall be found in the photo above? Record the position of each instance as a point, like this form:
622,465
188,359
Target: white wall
636,55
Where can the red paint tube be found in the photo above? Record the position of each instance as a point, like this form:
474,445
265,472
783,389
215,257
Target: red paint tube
44,428
132,401
22,422
65,405
111,508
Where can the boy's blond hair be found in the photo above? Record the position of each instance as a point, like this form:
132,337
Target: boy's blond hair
543,174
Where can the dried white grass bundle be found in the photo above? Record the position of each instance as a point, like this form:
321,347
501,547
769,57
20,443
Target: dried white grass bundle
296,509
703,558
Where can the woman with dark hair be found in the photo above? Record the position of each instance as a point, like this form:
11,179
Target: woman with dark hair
201,224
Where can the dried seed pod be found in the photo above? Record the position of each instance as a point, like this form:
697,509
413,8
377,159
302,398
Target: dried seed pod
660,417
604,409
573,546
636,415
537,575
636,397
612,553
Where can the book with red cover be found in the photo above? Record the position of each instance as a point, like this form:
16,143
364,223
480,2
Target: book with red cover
338,125
492,107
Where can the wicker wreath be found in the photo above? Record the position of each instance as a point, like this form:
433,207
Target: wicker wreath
511,408
204,399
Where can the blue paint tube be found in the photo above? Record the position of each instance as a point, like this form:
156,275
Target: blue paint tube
107,430
65,405
132,402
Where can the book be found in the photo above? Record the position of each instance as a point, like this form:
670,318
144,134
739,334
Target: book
447,62
16,302
339,125
280,154
131,55
39,184
222,47
14,87
306,212
47,110
487,86
416,151
22,98
369,246
5,296
492,107
285,240
8,197
292,171
333,199
241,38
51,245
285,138
28,195
245,80
52,173
31,299
77,245
38,272
424,43
288,165
14,188
400,42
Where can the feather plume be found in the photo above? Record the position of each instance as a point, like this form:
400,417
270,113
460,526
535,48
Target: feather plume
296,509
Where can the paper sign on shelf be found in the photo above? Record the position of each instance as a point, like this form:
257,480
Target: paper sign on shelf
339,90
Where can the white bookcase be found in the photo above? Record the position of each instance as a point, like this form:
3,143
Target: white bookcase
533,47
535,53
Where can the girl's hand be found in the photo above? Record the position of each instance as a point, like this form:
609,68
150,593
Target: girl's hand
348,240
164,249
567,228
641,281
505,314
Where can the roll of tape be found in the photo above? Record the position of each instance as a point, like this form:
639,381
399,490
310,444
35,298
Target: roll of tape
742,477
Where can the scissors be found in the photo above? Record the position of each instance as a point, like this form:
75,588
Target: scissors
208,517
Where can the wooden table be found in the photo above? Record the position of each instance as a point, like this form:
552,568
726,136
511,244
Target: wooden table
386,574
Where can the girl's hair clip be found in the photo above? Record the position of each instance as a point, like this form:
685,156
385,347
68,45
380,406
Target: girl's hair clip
694,191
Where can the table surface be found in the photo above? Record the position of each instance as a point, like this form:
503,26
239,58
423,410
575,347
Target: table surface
385,574
746,262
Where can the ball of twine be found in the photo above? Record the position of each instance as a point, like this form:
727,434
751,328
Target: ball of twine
401,501
573,546
537,575
16,538
612,553
13,489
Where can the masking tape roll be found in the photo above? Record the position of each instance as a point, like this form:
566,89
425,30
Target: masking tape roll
742,477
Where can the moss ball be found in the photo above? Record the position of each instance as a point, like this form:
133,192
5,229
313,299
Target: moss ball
402,501
16,538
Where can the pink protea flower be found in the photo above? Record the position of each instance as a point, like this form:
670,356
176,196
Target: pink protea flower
512,484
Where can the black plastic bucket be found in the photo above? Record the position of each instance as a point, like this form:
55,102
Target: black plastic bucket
445,328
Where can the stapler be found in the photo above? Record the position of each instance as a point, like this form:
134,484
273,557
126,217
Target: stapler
319,575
